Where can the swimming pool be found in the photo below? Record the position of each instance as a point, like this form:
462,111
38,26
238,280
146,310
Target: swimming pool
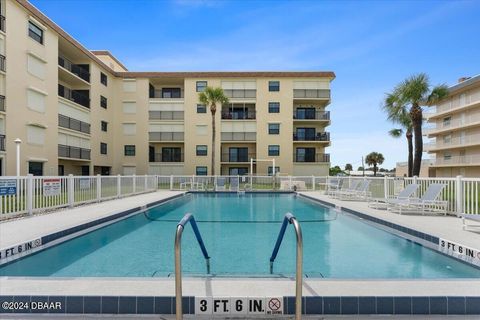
239,232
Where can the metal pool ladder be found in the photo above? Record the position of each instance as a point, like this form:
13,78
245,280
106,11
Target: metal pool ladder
178,256
290,219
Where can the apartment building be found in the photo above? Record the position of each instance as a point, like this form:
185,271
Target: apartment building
456,131
82,112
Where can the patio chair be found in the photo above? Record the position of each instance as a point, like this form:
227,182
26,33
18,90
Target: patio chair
472,217
429,200
333,185
383,203
344,188
360,193
234,184
220,184
184,183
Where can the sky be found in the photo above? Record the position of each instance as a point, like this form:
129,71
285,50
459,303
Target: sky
370,45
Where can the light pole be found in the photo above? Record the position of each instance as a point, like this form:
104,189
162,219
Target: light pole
17,143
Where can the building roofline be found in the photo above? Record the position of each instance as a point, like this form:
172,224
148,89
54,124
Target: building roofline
230,74
108,53
464,84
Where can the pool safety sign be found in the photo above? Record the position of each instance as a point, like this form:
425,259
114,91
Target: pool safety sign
8,187
238,306
24,247
51,187
459,251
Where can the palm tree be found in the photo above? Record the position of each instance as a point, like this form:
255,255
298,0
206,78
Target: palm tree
213,97
410,96
348,167
374,159
398,114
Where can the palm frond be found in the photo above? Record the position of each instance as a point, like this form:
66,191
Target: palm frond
396,133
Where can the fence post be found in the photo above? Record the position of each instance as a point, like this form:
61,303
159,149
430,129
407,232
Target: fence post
171,183
385,187
414,181
134,184
71,190
119,186
313,183
156,181
29,193
146,183
459,195
99,187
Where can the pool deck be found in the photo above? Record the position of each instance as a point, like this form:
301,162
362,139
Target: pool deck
446,227
28,228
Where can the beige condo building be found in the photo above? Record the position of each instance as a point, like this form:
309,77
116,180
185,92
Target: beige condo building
456,131
82,112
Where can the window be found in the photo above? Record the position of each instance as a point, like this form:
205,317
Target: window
61,170
273,107
238,154
103,79
201,108
447,156
85,170
104,126
169,93
172,155
103,148
305,155
274,128
35,168
201,171
305,134
129,150
446,121
240,171
103,102
273,86
447,139
35,32
274,150
201,85
201,150
270,170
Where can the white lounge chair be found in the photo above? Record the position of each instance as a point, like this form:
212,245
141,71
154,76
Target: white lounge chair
332,185
234,184
360,193
383,203
428,201
344,189
220,184
472,217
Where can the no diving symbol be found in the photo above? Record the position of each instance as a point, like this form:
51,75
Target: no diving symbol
274,304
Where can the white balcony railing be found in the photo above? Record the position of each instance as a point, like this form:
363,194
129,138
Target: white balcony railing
453,142
459,101
454,124
460,160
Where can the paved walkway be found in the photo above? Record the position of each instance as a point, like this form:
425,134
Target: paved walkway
446,227
29,228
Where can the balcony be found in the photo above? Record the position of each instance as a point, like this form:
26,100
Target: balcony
78,70
311,94
311,158
3,63
458,103
2,142
457,142
236,157
174,93
166,136
243,115
240,93
239,136
311,115
2,103
166,157
2,23
165,115
320,136
472,160
73,124
80,97
455,124
73,152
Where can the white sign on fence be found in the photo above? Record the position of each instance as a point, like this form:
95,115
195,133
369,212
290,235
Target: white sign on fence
84,183
8,187
51,187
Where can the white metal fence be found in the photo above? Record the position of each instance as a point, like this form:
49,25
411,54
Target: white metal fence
31,194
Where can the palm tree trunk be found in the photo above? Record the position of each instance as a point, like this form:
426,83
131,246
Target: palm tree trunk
374,169
213,110
409,136
417,117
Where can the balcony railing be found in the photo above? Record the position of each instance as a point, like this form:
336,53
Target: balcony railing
2,103
74,68
454,124
247,115
456,102
73,152
166,115
228,157
2,23
2,142
311,93
240,93
458,160
165,94
309,115
166,136
3,63
317,157
456,142
74,95
239,136
320,136
74,124
167,157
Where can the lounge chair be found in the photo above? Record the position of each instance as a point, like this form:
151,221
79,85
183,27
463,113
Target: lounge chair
383,203
346,189
361,193
234,184
220,184
472,217
332,185
184,183
429,200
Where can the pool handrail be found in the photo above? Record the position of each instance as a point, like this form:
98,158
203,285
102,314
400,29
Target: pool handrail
291,219
178,255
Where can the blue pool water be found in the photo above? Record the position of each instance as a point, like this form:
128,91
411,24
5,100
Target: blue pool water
239,232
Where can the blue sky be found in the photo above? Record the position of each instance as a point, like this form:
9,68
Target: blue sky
370,46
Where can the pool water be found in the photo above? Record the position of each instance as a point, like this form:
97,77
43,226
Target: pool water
239,232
